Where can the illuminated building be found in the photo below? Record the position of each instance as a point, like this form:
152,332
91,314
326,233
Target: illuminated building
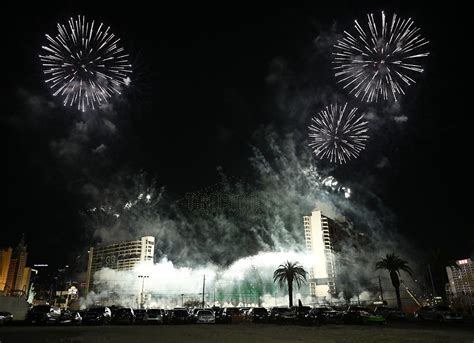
14,283
25,282
461,278
322,274
326,239
5,257
119,256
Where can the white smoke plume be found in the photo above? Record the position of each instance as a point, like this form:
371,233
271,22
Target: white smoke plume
288,185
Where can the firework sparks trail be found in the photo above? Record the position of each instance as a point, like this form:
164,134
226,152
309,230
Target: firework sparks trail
338,134
84,64
380,62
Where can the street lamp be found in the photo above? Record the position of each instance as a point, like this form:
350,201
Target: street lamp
143,277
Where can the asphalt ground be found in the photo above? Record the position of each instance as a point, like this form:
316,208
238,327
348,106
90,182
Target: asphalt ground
244,332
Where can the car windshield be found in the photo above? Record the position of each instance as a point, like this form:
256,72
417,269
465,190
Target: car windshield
358,308
322,309
442,308
41,308
123,310
154,311
283,309
96,310
204,313
260,310
232,310
304,309
180,313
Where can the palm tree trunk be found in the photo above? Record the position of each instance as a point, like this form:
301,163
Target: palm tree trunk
290,292
399,300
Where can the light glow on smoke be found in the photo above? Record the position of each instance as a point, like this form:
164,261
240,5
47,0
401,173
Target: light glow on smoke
247,280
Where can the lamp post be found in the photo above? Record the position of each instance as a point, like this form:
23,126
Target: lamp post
432,283
381,290
143,277
203,289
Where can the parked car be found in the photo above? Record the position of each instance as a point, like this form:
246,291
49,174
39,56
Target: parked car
124,315
5,318
97,315
361,315
141,316
205,317
180,316
218,313
113,309
69,318
313,317
301,313
230,314
155,316
193,315
167,316
282,315
327,315
243,311
390,313
43,314
258,314
438,313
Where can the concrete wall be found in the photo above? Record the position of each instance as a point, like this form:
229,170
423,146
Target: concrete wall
15,305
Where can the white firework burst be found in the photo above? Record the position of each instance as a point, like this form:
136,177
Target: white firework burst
84,64
380,60
338,133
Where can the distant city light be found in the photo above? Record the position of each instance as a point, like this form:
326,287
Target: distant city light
465,261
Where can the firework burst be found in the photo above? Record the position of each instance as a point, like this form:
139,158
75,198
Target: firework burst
380,61
84,64
338,134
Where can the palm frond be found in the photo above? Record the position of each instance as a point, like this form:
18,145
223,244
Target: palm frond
290,272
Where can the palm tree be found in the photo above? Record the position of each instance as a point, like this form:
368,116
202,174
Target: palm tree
393,264
290,272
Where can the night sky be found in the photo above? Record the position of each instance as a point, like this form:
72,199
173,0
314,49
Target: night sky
202,92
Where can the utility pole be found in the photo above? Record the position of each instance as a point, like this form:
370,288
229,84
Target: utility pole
182,300
203,289
142,304
432,283
381,290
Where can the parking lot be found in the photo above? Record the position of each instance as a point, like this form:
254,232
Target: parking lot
244,332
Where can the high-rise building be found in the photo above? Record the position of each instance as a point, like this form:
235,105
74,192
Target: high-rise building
326,239
25,282
119,256
461,277
5,258
16,269
322,274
